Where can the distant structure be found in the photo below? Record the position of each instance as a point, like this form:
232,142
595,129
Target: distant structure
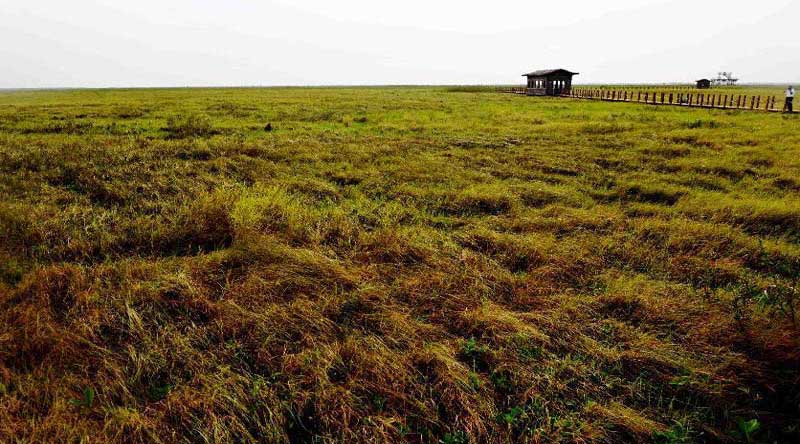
703,84
724,78
549,82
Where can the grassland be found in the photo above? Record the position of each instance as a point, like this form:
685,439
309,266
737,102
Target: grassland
394,265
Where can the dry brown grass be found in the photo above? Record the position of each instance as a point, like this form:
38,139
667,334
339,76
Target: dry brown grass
451,268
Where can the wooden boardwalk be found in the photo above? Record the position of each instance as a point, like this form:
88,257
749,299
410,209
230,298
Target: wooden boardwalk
695,99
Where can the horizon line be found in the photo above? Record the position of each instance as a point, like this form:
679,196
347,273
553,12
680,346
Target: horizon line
387,85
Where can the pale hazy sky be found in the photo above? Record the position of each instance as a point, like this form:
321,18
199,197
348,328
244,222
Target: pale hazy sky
102,43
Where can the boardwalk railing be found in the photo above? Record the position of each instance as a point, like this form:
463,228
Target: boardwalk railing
676,98
694,99
514,90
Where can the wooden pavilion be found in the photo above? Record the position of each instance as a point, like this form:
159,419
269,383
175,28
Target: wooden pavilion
549,82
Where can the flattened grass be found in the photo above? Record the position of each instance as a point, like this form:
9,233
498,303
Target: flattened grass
393,265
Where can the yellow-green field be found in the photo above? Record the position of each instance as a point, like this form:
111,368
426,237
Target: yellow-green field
424,265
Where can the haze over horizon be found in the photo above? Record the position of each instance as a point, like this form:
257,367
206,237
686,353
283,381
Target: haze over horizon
99,43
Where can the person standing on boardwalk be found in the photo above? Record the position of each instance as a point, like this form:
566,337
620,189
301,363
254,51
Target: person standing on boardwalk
787,107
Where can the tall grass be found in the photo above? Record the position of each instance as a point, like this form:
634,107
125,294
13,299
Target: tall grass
394,265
